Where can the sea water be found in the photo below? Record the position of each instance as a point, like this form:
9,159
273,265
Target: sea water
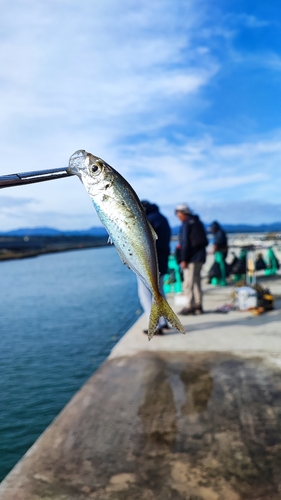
60,315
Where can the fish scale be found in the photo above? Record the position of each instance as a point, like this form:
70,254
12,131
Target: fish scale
119,229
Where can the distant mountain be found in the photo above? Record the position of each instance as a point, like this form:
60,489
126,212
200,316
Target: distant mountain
100,231
242,228
248,228
36,231
49,231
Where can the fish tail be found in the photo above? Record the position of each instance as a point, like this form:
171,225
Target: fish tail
160,307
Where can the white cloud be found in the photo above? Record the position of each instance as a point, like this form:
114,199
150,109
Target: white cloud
84,61
115,78
88,75
260,59
73,68
255,212
252,21
201,173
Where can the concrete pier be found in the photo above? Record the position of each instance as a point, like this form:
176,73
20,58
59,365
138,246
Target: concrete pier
182,417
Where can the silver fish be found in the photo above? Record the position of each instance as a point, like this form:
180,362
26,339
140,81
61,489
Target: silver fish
123,216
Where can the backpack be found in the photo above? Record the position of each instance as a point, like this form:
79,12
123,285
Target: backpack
240,266
197,233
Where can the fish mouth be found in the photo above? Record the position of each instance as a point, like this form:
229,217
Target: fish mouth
77,162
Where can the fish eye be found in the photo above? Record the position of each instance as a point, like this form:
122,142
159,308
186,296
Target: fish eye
96,167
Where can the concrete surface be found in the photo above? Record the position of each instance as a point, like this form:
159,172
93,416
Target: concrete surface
182,417
236,331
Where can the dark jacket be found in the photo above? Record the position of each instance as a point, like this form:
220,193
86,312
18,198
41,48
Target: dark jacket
219,238
163,231
193,240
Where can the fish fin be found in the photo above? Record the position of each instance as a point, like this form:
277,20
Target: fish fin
160,307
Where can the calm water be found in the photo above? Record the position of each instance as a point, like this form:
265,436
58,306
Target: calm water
60,315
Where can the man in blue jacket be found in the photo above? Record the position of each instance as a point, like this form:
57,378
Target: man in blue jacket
192,256
163,231
219,238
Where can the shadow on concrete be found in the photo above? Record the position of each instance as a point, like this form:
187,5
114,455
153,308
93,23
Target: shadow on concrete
163,426
266,318
263,319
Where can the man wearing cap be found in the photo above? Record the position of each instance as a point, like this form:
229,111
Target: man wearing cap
193,242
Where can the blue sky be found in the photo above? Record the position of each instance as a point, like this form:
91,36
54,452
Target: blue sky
182,98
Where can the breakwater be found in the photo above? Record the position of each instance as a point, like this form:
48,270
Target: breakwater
183,417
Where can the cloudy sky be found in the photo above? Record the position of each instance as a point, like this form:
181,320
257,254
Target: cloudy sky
181,97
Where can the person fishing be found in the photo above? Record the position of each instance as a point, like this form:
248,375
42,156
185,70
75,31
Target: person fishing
192,256
219,238
219,269
162,229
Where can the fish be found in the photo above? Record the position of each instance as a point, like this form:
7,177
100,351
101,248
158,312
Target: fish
123,216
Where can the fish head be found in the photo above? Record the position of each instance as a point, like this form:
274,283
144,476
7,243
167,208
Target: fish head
95,173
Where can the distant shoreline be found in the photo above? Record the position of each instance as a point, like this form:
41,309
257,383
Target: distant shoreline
21,247
18,247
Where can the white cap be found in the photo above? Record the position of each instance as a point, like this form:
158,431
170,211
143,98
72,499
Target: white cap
183,207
